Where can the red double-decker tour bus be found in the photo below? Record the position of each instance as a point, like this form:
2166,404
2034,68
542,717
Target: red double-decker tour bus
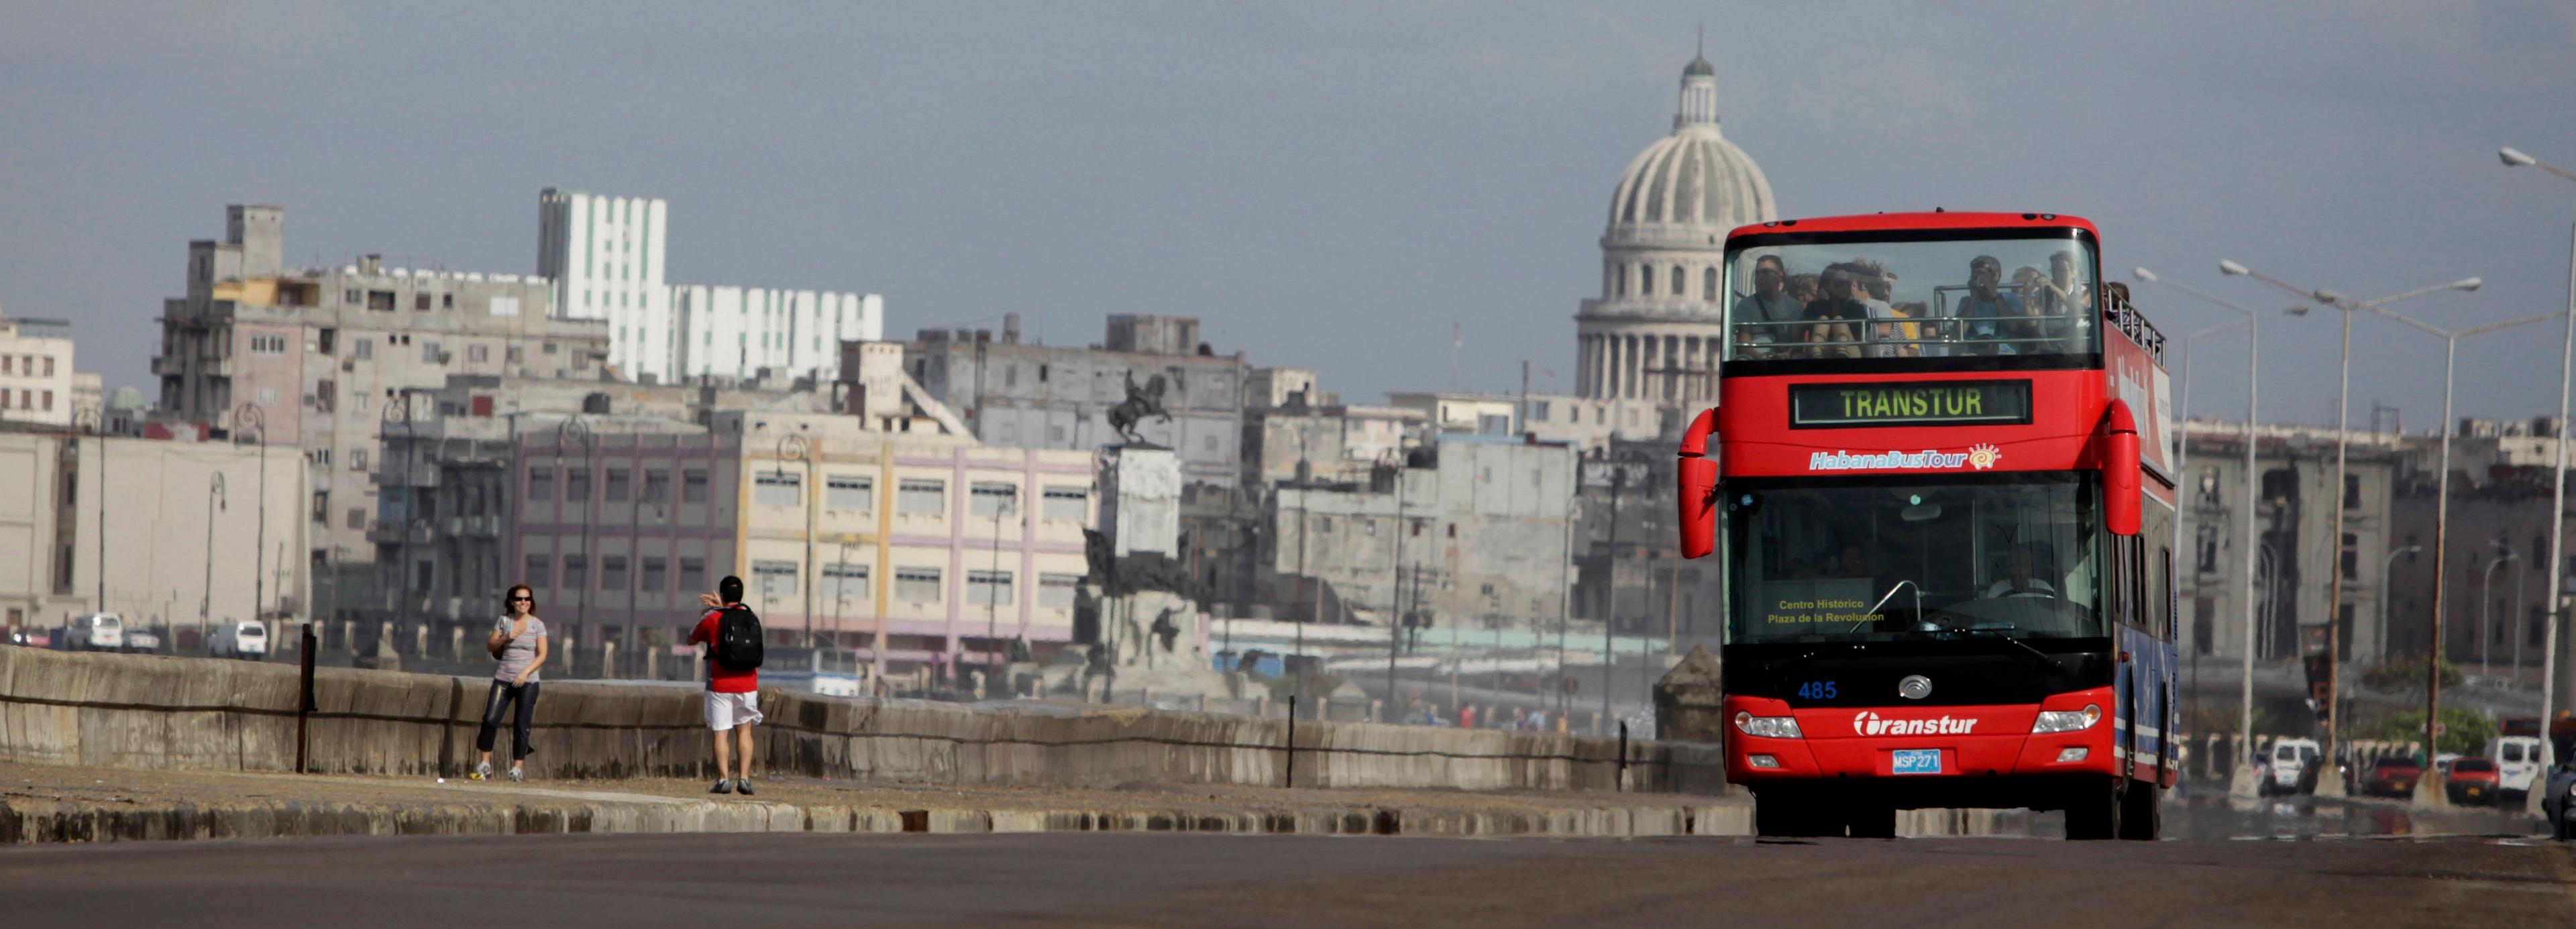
1939,492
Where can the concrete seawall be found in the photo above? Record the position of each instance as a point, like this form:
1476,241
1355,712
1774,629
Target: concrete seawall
139,711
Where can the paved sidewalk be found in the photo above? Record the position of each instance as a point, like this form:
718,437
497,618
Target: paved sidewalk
41,803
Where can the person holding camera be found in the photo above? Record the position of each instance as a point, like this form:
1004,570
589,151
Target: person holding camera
731,633
518,639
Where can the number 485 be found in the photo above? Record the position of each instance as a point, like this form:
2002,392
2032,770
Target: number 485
1816,690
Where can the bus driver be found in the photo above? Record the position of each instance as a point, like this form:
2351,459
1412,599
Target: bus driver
2017,581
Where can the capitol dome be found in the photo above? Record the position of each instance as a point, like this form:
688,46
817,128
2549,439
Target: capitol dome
1694,177
1649,344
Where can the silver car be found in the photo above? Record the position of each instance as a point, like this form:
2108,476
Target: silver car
2559,805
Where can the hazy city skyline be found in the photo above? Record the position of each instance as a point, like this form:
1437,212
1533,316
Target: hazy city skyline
1330,186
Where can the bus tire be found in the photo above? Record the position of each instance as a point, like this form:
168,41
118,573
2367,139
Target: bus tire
2142,812
2093,811
1872,821
1791,815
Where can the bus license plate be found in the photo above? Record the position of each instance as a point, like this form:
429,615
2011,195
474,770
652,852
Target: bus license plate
1918,761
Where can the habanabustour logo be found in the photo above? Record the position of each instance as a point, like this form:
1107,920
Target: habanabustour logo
1927,460
1982,457
1869,723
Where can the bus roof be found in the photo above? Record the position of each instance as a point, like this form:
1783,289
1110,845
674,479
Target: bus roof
1893,222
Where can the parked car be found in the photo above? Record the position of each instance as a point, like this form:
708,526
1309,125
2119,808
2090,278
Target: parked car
2393,776
142,640
239,640
2518,764
2290,767
2559,804
2472,780
32,638
91,632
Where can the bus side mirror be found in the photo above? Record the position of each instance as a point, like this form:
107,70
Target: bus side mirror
2121,494
1696,487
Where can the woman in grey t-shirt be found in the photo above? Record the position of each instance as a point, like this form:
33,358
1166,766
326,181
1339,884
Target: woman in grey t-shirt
518,639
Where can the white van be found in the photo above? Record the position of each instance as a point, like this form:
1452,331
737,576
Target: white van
95,632
238,640
2518,763
2287,763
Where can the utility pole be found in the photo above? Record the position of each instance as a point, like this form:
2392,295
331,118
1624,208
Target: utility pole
1610,613
1396,621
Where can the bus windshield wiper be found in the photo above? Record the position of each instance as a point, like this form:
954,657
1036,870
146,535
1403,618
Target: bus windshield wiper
2006,635
1890,595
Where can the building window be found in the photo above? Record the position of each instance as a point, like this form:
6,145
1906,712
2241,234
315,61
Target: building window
357,517
1677,282
352,297
1708,285
429,354
921,495
576,572
1066,502
1055,591
620,485
576,485
2352,491
988,588
849,492
420,301
650,579
845,583
381,301
538,572
362,349
693,485
357,459
774,578
1645,280
322,506
657,487
992,499
2205,548
916,585
693,575
478,353
447,301
612,572
778,488
541,484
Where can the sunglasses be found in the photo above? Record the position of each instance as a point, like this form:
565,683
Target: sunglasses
523,599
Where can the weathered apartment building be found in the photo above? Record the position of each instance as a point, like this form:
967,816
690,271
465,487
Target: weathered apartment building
2295,548
325,355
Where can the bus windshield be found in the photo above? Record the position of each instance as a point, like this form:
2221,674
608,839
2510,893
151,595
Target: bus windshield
1830,560
1796,297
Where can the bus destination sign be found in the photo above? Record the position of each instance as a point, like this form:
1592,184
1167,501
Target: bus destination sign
1927,403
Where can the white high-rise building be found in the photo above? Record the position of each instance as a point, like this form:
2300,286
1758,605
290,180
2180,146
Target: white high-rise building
604,255
35,376
737,331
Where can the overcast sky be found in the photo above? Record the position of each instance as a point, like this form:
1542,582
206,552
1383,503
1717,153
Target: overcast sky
1327,185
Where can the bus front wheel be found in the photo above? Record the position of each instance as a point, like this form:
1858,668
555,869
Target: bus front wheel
2093,811
1780,814
2142,813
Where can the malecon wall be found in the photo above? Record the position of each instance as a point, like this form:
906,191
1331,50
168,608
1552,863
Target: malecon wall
143,711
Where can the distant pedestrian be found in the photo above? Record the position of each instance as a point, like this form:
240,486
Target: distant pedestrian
733,680
518,639
1467,716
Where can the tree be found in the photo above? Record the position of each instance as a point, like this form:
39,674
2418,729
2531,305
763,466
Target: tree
2405,673
2464,731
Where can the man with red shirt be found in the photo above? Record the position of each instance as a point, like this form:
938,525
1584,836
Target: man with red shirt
733,697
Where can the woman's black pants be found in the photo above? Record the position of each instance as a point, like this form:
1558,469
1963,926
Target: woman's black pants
503,695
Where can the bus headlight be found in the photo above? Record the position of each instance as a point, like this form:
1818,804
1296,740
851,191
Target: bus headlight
1769,727
2066,720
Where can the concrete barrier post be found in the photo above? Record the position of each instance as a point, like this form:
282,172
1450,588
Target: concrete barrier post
608,659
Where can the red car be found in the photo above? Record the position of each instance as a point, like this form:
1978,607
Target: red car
2474,780
2393,777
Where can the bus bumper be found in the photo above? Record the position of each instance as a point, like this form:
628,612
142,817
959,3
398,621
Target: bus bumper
1976,745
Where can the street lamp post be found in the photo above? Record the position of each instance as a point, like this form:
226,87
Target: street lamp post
2343,406
806,498
215,503
1007,506
98,432
2486,610
2385,566
249,416
2557,488
2253,397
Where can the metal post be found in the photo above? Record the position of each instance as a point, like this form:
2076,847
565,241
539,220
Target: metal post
1621,783
2334,587
2520,626
1564,590
2557,527
1395,622
259,565
1291,780
2253,542
2486,613
2441,559
992,599
304,693
215,503
1610,615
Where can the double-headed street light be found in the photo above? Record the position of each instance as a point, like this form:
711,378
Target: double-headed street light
2253,393
248,417
2343,406
2558,487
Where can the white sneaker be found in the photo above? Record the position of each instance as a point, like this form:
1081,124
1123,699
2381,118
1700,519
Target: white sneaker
517,775
482,771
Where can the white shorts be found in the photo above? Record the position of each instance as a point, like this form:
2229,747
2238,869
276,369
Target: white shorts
725,711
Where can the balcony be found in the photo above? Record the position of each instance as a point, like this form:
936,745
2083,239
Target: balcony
383,533
421,474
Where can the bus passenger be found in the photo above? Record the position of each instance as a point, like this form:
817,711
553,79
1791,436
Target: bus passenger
1769,305
1840,313
2064,301
2017,580
1988,306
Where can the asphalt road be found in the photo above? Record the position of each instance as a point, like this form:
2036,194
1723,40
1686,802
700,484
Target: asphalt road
1180,880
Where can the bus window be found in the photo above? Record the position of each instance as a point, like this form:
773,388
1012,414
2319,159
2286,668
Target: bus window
1830,559
1793,296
